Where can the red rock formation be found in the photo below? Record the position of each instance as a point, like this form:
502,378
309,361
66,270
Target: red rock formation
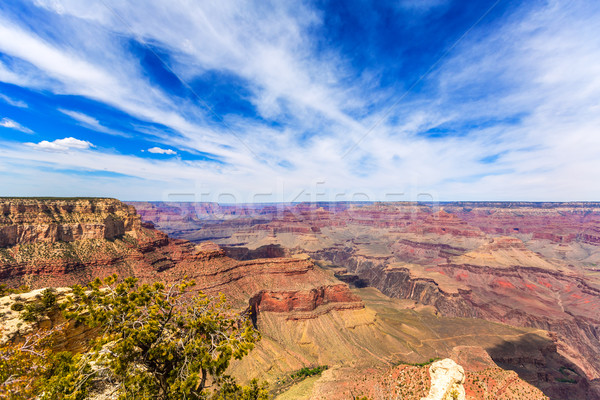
527,264
444,223
305,300
107,237
35,220
45,258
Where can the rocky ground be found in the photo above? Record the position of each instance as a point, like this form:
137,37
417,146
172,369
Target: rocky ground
526,264
308,313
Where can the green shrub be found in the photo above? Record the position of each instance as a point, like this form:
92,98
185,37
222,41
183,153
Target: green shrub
5,290
163,344
566,380
430,361
153,342
306,372
34,311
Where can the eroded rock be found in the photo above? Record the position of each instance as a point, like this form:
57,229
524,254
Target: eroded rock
447,378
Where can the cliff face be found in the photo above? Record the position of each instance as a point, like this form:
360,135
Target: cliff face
54,242
64,242
24,221
527,264
504,282
307,315
290,288
328,297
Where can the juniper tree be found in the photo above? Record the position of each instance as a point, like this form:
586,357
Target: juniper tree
158,342
31,368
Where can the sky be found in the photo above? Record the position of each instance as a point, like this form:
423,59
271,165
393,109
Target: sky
243,101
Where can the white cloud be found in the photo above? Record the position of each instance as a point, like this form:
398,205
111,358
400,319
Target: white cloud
13,102
61,145
9,123
90,122
111,78
158,150
83,118
274,58
541,64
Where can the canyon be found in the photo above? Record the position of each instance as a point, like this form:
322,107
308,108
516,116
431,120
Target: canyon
531,265
371,290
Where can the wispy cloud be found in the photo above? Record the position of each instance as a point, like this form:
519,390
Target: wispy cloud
90,122
9,123
520,92
13,102
61,145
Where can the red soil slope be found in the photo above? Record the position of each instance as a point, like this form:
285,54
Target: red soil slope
526,264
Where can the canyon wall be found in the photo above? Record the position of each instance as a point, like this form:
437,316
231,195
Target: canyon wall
25,221
527,264
448,276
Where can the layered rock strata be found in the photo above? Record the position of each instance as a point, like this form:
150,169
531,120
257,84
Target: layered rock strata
24,221
527,264
307,316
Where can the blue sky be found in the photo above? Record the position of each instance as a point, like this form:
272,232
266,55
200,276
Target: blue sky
298,101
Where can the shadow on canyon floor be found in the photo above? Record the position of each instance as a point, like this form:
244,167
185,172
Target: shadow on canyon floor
244,253
544,368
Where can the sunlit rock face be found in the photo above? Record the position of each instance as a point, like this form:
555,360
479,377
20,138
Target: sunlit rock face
24,221
447,378
324,313
525,264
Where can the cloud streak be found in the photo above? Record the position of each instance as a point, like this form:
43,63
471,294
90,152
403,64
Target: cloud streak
9,123
90,122
520,92
13,102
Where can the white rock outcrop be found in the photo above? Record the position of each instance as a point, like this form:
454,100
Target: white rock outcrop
11,324
447,378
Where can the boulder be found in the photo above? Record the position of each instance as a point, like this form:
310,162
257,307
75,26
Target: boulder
447,378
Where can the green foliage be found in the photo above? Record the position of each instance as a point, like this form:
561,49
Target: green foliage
567,371
5,290
160,343
35,310
30,369
70,377
29,252
229,390
5,256
297,376
306,372
130,240
454,394
153,342
566,380
430,361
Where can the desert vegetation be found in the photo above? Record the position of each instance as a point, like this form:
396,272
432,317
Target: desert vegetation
307,371
150,341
